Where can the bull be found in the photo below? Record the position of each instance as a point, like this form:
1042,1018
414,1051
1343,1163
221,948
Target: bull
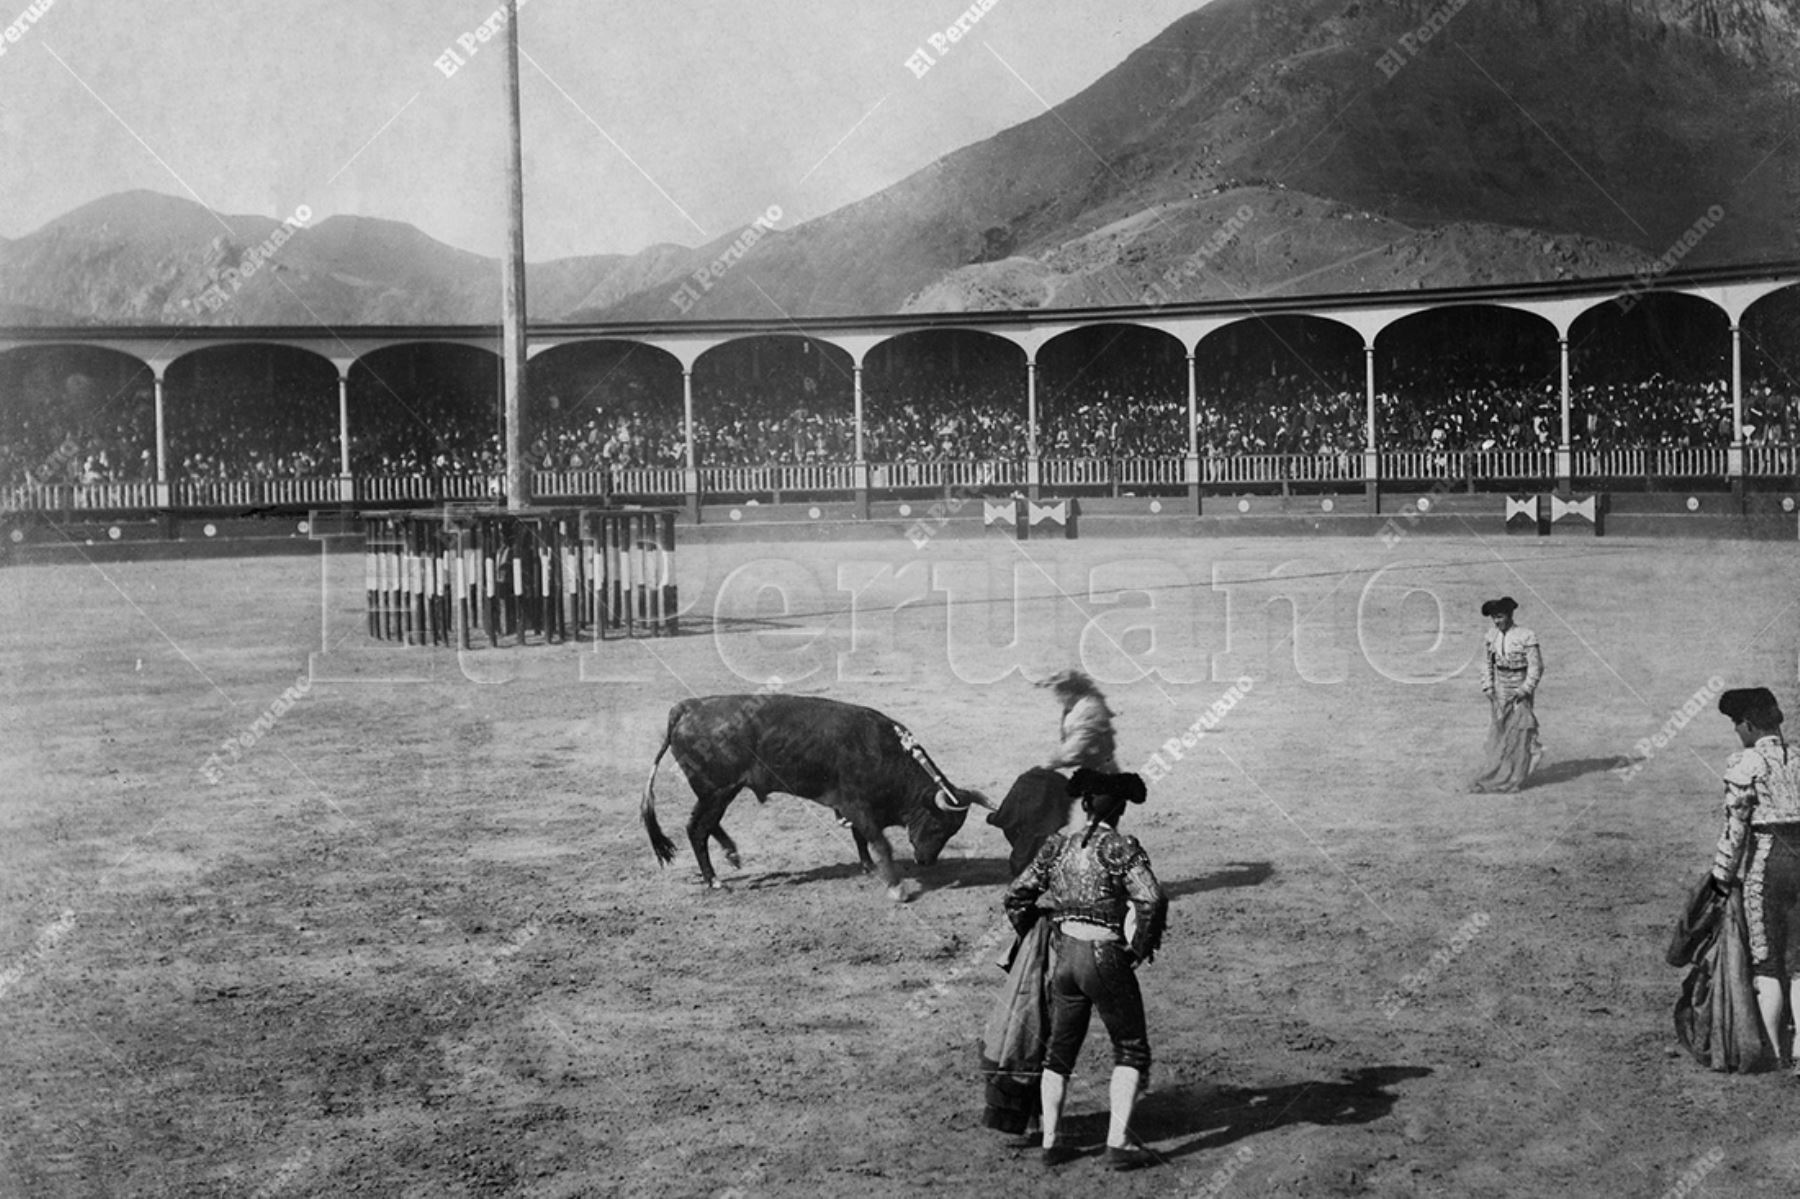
861,764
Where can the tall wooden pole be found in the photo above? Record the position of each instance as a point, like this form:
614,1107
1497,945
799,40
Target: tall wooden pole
518,475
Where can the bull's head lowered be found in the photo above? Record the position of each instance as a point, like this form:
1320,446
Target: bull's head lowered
931,827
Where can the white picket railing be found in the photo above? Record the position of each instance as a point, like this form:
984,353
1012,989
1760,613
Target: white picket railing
574,484
1419,465
1337,466
1152,472
1663,462
774,477
1692,462
384,489
1770,461
647,480
1593,466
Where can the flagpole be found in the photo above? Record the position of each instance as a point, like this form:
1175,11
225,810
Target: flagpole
518,477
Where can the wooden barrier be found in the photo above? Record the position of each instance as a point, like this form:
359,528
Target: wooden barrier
548,574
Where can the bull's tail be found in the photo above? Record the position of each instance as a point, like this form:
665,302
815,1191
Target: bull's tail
659,841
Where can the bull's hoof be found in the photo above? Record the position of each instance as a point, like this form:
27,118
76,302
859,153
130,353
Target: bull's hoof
901,893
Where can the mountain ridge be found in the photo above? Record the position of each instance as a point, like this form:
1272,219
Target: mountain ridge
1373,144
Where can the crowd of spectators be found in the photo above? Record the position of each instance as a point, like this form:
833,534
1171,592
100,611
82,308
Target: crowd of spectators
59,426
914,412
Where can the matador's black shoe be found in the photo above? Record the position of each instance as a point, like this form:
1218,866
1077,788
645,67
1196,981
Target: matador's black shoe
1128,1157
1060,1154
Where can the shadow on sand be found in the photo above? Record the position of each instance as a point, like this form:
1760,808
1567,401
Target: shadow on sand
1235,874
989,872
1209,1117
1563,772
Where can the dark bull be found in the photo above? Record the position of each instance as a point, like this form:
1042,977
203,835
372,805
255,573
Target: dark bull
859,763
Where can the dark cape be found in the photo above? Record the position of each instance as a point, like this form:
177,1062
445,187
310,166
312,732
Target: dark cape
1017,1031
1035,807
1716,1018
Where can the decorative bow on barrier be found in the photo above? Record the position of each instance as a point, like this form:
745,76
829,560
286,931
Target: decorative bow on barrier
1559,508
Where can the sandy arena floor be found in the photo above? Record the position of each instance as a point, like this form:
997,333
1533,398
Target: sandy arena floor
412,941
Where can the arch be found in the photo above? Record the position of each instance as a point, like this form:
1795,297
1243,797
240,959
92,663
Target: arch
1288,383
71,412
1770,333
603,400
946,392
1112,389
1651,369
1469,377
250,410
779,397
426,407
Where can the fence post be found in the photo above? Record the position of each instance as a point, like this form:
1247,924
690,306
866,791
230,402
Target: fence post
690,485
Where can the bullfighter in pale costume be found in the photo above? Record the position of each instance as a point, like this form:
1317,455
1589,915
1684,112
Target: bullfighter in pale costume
1086,733
1759,849
1512,665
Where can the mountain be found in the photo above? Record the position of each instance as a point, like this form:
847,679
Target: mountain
143,257
1607,126
1255,147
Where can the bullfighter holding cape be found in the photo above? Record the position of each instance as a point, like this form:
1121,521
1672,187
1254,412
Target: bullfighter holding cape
1089,911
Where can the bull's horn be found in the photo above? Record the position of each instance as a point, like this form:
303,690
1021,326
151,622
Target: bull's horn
947,801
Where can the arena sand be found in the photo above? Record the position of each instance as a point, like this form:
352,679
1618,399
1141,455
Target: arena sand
413,940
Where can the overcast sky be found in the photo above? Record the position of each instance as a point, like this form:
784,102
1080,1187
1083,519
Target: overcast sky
645,120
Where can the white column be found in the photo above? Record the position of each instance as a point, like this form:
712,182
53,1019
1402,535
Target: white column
1031,412
162,437
346,487
1193,408
344,423
1563,352
687,417
856,384
1369,393
1734,456
1737,384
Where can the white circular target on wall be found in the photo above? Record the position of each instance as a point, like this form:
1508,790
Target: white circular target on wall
1243,505
1787,503
114,533
211,530
1693,504
737,514
905,509
1328,505
18,535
